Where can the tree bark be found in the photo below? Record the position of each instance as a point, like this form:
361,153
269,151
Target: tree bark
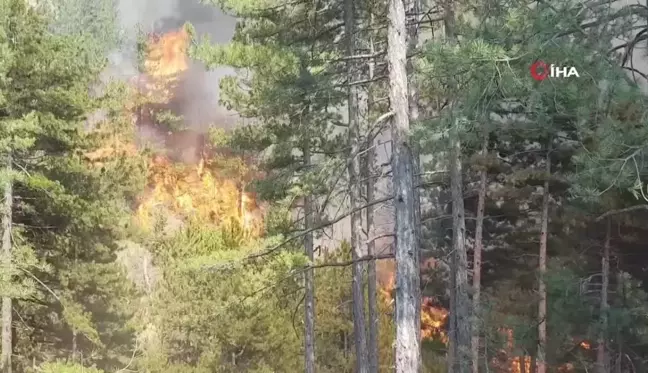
462,305
620,302
601,355
408,292
74,345
372,297
413,9
477,261
309,297
355,185
7,222
452,323
542,269
372,280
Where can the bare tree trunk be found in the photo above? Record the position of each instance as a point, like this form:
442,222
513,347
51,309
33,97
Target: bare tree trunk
408,292
542,269
309,298
462,305
522,364
601,355
372,343
413,10
74,345
452,322
7,222
372,280
355,185
477,260
620,300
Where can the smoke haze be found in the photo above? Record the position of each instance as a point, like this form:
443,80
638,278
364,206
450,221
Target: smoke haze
199,91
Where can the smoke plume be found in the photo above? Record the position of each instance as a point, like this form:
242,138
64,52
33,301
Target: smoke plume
198,92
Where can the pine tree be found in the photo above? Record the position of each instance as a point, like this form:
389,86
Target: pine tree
67,214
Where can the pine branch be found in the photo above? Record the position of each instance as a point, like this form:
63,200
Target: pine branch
347,263
621,211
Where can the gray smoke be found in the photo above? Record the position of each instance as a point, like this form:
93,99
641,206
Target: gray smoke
199,92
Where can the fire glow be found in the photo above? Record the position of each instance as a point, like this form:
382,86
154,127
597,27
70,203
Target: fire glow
433,318
191,189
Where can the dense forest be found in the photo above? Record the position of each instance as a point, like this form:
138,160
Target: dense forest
401,192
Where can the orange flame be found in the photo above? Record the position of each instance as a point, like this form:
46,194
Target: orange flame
183,191
166,60
167,54
195,192
433,318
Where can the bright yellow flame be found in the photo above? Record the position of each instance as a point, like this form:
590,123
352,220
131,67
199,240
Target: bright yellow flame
166,59
167,54
195,192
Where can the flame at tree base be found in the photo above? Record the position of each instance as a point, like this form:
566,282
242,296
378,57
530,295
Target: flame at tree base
433,318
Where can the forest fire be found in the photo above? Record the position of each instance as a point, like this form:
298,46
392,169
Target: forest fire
194,192
433,318
189,189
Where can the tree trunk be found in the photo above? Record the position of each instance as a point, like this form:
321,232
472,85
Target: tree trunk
477,260
413,10
542,269
601,355
372,280
522,364
355,185
7,212
452,323
408,292
309,297
372,344
462,301
620,300
74,345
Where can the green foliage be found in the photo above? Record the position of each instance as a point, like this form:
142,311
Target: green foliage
68,213
65,368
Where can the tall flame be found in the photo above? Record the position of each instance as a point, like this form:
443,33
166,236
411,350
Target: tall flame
178,190
166,60
167,54
433,318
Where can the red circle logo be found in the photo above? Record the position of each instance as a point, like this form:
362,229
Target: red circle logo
539,70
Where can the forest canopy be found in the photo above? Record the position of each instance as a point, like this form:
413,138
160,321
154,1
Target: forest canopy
399,193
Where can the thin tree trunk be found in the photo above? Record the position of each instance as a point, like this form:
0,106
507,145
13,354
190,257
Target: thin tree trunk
372,280
601,355
413,9
309,298
408,292
7,222
522,364
542,269
74,345
372,343
620,295
459,342
477,260
452,323
355,185
462,301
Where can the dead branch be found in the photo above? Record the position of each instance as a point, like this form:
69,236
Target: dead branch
621,211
